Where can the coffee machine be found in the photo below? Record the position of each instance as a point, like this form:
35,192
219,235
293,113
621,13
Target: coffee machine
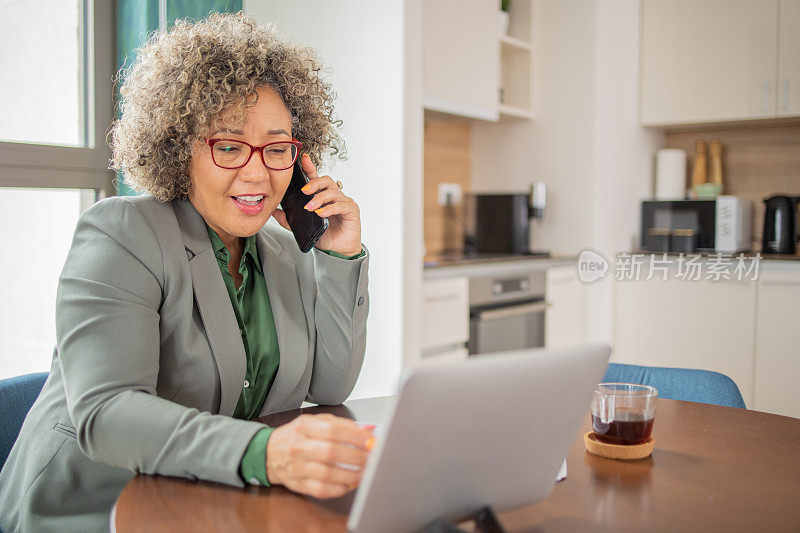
500,223
780,224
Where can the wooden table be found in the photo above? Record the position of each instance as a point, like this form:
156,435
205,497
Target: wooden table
714,469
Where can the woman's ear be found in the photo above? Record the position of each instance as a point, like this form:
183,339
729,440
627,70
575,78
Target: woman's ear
280,216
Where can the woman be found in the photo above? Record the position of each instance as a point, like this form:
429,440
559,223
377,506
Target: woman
180,315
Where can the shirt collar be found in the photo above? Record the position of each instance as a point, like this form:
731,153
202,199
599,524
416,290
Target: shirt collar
251,250
250,247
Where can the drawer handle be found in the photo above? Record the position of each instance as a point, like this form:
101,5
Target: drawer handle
442,298
784,283
517,310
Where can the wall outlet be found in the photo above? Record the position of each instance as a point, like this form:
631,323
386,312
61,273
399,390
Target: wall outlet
449,194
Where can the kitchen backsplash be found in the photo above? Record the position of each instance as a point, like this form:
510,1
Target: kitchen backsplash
447,160
757,162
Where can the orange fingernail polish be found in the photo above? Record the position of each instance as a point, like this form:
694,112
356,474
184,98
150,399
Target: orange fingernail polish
370,442
318,210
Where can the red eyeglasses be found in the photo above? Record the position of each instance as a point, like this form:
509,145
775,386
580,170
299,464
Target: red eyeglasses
231,154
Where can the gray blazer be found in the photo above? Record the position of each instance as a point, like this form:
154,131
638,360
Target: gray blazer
149,361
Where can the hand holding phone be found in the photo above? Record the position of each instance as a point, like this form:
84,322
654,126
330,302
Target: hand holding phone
306,226
319,213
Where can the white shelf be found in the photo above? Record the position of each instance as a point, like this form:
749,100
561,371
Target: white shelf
516,63
516,112
514,43
450,107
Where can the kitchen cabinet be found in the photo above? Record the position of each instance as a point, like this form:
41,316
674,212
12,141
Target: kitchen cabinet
789,58
470,69
445,319
461,57
778,343
512,320
708,325
564,317
712,60
443,358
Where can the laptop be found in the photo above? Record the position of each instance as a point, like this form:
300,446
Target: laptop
490,431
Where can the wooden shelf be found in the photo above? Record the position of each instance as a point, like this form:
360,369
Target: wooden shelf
515,43
515,112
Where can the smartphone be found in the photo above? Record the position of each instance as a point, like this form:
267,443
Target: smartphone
307,226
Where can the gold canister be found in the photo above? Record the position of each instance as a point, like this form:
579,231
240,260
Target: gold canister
715,152
700,170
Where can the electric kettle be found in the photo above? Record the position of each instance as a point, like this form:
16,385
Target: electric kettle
780,224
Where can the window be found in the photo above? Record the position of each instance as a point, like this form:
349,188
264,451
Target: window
57,62
51,95
38,226
57,105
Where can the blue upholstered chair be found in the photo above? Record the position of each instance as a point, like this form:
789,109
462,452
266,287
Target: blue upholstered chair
17,395
680,383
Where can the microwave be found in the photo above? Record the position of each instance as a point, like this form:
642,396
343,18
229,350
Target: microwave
720,225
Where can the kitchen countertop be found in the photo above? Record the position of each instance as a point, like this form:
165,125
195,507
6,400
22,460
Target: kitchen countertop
451,259
765,257
445,266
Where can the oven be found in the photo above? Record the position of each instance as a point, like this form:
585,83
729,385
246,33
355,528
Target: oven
506,312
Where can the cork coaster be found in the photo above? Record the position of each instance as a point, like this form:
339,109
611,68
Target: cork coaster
626,452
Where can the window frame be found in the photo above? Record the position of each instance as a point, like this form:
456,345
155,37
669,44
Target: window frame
36,166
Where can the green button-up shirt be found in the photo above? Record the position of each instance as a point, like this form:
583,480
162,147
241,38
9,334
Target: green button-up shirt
251,305
253,312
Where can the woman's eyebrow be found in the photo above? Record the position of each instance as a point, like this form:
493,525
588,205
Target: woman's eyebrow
240,132
228,130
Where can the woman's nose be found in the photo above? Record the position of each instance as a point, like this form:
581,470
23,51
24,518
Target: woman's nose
255,170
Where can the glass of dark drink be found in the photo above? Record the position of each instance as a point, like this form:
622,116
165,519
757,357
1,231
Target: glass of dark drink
623,413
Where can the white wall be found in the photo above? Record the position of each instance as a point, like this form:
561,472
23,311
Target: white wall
623,153
413,238
585,140
362,44
557,146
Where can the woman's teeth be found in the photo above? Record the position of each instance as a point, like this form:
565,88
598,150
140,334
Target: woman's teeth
249,200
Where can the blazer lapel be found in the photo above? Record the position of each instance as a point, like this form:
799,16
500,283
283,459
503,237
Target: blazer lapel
214,305
283,287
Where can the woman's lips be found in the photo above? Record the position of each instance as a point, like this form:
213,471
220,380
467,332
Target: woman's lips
247,204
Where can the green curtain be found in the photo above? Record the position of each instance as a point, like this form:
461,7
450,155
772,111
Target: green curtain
199,9
136,19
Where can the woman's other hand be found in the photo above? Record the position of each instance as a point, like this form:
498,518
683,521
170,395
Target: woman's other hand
307,454
344,232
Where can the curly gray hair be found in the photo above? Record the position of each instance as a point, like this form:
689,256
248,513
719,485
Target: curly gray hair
184,82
